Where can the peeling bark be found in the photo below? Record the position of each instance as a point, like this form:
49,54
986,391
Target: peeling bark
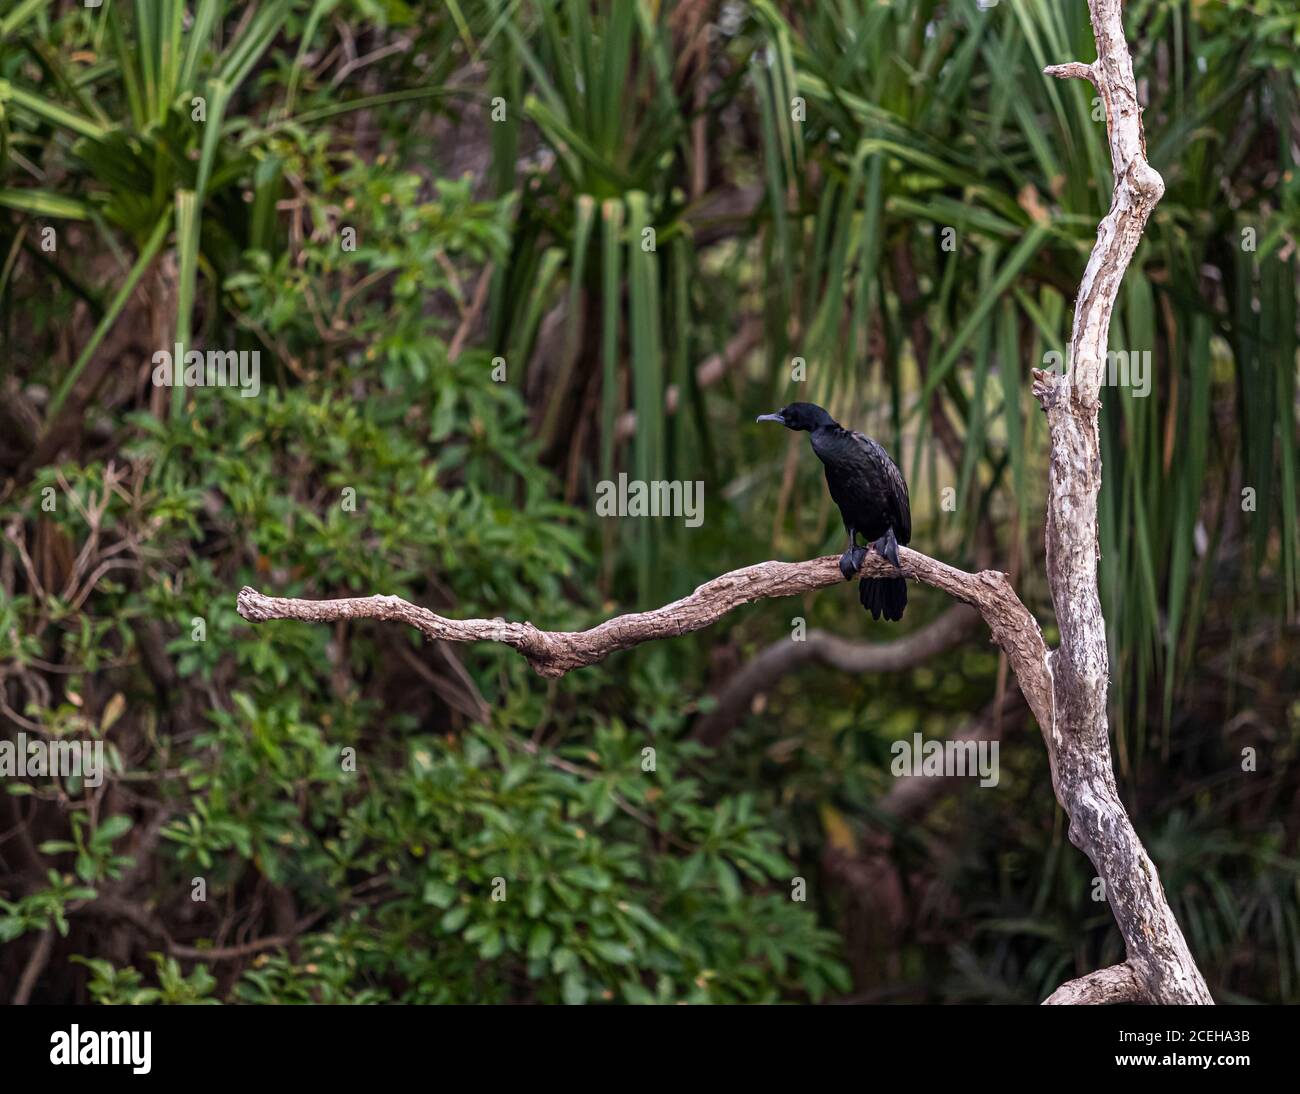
1079,736
1105,987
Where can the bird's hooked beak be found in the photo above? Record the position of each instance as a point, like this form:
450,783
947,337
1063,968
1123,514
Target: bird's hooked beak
771,418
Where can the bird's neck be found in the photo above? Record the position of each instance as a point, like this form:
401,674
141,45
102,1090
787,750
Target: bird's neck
827,438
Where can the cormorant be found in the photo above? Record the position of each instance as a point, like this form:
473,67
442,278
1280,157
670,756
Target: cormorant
872,497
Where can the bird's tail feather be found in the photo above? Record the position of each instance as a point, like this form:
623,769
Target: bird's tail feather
885,596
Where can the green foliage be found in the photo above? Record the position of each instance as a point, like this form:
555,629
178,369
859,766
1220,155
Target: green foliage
42,909
124,987
93,850
429,824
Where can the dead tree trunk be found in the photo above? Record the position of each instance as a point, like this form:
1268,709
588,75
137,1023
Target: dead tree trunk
1079,737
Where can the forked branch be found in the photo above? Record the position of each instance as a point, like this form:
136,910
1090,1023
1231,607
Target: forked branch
1067,690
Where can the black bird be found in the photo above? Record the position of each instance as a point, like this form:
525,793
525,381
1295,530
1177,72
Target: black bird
869,489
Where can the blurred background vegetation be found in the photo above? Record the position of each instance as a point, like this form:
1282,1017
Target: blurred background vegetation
658,219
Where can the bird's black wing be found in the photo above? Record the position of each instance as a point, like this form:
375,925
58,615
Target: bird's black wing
901,506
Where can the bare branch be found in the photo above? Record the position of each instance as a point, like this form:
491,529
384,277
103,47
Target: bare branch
40,957
471,316
554,653
910,797
1071,70
844,654
147,922
1117,984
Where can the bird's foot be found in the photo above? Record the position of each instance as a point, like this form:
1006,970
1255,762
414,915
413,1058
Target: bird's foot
887,547
851,561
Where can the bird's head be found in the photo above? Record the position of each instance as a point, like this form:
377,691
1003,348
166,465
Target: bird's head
799,416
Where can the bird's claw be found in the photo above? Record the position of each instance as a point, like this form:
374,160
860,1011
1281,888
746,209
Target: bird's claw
851,561
887,547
